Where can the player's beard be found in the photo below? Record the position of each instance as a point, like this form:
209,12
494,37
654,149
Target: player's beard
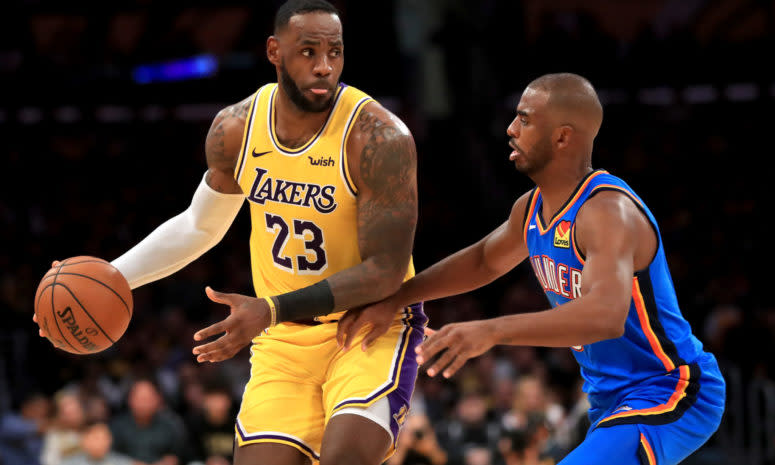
537,158
297,96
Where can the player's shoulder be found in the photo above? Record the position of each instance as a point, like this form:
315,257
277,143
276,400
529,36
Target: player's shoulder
236,111
375,118
608,209
222,145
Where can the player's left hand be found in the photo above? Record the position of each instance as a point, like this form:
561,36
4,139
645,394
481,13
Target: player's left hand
378,317
249,316
461,341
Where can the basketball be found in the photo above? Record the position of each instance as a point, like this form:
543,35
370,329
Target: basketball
83,305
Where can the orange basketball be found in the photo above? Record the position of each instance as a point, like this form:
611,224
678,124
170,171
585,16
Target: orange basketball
83,305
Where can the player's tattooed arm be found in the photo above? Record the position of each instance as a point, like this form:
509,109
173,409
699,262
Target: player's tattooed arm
384,169
222,146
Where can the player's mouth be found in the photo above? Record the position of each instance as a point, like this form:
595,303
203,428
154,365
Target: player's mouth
319,89
516,152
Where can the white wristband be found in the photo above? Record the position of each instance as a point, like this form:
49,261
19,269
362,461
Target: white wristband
182,239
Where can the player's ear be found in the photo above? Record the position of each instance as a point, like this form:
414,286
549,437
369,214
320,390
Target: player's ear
562,136
273,50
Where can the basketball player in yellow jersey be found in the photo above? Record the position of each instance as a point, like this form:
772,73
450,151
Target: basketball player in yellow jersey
330,177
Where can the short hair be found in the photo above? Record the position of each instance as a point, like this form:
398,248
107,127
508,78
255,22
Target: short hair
295,7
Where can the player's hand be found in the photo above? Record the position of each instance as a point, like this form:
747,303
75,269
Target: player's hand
40,330
461,341
377,317
54,264
249,316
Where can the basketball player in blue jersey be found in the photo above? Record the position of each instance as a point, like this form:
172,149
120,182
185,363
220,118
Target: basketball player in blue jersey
595,248
330,178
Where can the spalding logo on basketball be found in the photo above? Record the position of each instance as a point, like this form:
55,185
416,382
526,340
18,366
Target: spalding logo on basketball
83,305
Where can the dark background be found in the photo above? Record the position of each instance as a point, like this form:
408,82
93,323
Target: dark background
93,162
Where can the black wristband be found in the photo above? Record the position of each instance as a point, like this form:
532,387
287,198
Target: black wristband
308,302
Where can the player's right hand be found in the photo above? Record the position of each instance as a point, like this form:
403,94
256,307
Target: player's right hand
377,317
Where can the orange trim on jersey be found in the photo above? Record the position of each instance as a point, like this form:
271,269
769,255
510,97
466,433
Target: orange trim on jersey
568,206
529,216
618,188
678,394
647,448
574,246
656,346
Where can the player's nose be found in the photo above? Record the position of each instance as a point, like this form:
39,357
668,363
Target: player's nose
323,66
513,129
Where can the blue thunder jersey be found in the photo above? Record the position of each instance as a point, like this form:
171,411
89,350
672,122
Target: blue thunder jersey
657,339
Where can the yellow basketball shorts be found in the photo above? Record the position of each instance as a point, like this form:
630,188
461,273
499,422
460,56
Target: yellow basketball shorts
299,378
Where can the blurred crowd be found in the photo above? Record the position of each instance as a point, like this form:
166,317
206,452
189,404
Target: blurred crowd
453,70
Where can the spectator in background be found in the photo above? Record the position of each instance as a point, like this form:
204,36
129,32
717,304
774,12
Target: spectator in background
148,431
21,435
96,442
417,444
478,455
471,427
63,439
212,429
531,396
526,445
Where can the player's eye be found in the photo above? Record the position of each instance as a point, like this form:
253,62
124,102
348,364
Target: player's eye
523,121
307,52
336,52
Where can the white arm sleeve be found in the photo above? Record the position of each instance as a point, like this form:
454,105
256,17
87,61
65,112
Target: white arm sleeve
182,239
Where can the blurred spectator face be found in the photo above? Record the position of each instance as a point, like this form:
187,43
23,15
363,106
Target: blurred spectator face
530,395
306,67
217,406
193,393
97,409
472,409
96,441
36,408
144,401
70,413
478,456
503,394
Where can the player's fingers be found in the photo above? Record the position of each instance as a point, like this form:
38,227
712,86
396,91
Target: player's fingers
225,349
55,263
218,297
431,346
41,333
206,351
211,330
429,332
456,364
343,327
442,362
375,332
355,328
35,317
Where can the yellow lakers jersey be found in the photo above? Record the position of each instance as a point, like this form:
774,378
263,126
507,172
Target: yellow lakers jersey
302,200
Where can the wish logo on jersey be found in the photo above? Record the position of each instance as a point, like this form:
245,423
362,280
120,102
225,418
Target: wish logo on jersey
562,235
265,188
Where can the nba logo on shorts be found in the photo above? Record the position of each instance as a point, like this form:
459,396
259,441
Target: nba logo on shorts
562,235
400,416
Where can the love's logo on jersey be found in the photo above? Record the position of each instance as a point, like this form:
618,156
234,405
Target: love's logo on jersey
562,235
